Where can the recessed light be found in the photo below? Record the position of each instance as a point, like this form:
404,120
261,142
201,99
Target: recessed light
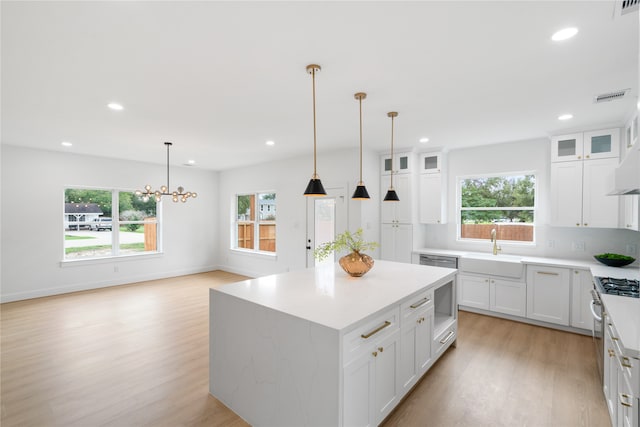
191,162
565,117
270,143
66,144
424,140
564,34
115,106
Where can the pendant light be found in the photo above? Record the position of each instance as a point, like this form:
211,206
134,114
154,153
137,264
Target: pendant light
391,196
180,194
314,188
361,192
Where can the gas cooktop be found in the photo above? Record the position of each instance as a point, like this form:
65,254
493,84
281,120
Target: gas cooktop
622,287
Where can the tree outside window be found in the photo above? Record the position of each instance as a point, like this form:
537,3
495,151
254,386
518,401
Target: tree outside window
505,203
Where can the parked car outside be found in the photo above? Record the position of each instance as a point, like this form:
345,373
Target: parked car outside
102,223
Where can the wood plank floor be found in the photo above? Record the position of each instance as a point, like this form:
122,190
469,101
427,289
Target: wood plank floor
138,355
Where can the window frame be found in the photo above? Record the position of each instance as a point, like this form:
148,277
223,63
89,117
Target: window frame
534,208
233,244
115,228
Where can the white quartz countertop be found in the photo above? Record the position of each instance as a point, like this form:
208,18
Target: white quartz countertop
624,313
328,296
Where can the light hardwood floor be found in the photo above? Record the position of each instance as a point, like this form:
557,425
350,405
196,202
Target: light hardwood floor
138,355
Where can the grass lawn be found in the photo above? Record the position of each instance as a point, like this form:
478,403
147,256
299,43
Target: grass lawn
68,237
140,229
135,246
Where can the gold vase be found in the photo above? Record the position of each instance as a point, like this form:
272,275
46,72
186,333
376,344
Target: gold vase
356,264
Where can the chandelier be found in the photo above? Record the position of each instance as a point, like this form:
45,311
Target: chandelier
180,194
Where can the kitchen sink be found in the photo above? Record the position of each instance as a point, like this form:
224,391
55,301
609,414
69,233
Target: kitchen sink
495,265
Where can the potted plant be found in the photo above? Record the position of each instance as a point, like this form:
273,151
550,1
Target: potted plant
355,263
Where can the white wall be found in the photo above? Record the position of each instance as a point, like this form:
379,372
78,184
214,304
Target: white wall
551,241
33,183
288,178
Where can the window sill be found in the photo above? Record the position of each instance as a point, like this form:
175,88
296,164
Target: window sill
109,259
259,254
507,243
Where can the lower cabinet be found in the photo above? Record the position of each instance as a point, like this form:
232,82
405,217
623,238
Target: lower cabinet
416,334
494,294
396,242
581,285
548,292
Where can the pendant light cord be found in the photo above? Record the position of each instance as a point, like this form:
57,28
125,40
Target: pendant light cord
392,152
168,144
360,99
313,82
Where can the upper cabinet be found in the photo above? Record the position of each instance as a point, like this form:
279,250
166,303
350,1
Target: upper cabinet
600,144
431,162
402,163
630,134
432,196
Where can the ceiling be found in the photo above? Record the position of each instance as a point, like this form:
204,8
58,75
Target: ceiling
218,79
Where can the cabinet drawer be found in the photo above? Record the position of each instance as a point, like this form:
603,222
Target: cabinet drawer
629,366
417,304
444,339
360,339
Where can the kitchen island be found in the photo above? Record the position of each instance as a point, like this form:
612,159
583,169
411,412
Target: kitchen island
317,347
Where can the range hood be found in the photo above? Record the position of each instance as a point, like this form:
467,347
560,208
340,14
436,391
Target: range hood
627,175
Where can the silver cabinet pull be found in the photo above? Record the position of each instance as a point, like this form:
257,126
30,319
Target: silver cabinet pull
447,338
422,302
549,273
376,330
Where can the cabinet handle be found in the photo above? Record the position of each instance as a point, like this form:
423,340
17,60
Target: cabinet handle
579,157
585,224
447,338
376,330
622,402
549,273
375,354
577,224
422,302
611,353
587,156
380,349
627,364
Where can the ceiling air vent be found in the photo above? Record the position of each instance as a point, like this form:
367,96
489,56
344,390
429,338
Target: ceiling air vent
611,96
628,6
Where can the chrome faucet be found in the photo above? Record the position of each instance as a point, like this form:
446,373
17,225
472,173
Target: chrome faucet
494,240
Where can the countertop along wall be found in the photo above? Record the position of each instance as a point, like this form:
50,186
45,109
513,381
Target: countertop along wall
33,183
552,242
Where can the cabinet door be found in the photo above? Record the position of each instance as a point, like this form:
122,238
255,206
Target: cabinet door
566,148
630,212
385,165
431,199
599,209
610,381
627,411
387,367
388,242
566,194
602,144
403,243
474,291
415,353
430,163
359,391
548,290
400,211
508,296
581,285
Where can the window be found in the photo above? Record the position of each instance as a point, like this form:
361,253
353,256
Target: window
108,223
255,223
505,203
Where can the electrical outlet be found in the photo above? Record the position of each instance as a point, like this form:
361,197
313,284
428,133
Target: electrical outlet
578,246
632,249
116,269
551,243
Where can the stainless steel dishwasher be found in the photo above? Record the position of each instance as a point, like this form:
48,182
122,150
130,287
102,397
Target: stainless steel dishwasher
439,261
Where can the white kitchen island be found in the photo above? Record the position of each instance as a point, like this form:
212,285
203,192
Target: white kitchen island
317,347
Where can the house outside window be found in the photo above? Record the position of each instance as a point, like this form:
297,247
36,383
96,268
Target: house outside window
504,202
255,224
108,223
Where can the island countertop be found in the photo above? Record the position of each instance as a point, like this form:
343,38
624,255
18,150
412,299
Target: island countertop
328,296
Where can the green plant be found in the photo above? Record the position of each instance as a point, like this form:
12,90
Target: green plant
344,241
615,256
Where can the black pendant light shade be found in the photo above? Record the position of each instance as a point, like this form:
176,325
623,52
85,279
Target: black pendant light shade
361,193
391,196
315,188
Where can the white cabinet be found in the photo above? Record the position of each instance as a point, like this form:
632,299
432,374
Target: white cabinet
431,163
371,370
416,332
581,285
629,220
610,375
400,211
548,292
494,294
600,144
432,199
630,134
402,163
396,242
579,194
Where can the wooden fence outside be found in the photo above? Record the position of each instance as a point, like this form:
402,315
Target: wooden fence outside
150,235
267,236
505,231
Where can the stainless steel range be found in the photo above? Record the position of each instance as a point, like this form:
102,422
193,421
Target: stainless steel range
622,287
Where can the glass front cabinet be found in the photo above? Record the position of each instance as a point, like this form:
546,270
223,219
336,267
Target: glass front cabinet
599,144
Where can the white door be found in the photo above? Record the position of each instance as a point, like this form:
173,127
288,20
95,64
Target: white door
326,217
